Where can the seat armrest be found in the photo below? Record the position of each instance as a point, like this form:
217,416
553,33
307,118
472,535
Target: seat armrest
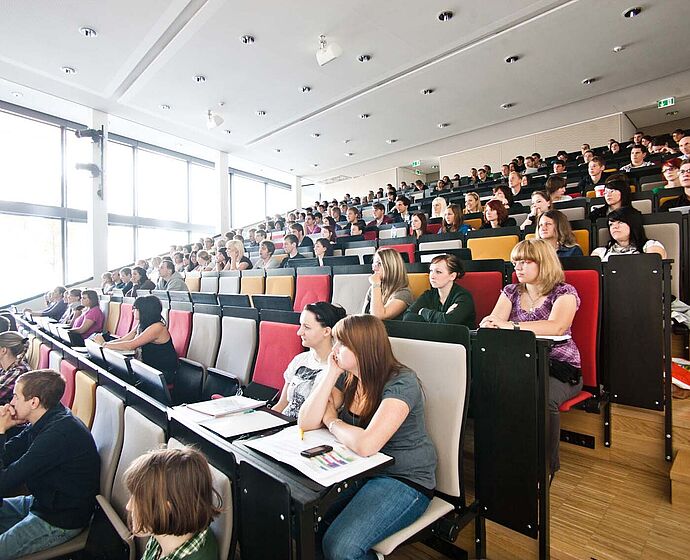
192,363
117,523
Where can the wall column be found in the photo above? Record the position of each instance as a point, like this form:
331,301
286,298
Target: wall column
98,210
223,182
297,191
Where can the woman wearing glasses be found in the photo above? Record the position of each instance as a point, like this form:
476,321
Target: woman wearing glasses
683,199
543,303
389,295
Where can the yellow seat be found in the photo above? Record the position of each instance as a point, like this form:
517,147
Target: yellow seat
84,405
34,352
474,223
193,281
665,198
419,283
492,247
113,316
581,238
251,285
280,286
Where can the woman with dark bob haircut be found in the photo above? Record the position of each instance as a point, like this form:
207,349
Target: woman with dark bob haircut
150,337
628,236
617,195
172,500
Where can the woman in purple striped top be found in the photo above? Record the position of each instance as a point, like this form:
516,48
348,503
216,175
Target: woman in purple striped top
543,303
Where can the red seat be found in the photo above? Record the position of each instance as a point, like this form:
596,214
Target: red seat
278,344
312,288
44,357
69,373
371,235
408,248
433,228
584,330
180,328
485,288
124,323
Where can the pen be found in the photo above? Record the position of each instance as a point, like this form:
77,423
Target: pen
301,433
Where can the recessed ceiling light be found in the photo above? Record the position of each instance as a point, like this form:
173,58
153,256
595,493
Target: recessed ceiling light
277,150
199,79
391,141
68,70
228,131
17,94
346,141
618,48
507,105
632,12
364,116
349,154
88,32
364,57
443,125
315,134
445,16
427,91
314,164
261,113
292,169
306,89
247,39
671,113
512,59
588,81
165,107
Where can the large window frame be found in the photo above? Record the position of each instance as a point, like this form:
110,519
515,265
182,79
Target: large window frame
266,183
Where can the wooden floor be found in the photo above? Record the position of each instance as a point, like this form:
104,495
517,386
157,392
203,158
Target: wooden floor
602,507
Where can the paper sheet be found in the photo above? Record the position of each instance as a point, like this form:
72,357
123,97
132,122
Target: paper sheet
327,469
226,405
243,423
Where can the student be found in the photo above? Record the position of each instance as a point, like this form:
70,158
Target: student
627,236
306,369
322,249
438,207
418,225
13,349
55,457
453,221
370,402
266,258
541,202
445,302
472,203
496,215
150,337
290,243
172,500
541,302
616,195
389,294
91,320
553,227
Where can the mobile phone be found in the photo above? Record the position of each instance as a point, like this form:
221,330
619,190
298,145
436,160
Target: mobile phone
315,451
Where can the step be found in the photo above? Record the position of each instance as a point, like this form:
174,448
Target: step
680,480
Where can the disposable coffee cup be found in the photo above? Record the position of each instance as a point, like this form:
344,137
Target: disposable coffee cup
599,190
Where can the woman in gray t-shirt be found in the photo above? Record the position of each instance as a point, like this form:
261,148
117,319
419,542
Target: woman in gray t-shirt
389,295
370,403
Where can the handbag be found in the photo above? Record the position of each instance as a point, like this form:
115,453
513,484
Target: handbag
565,372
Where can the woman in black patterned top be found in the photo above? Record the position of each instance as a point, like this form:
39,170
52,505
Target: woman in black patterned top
13,347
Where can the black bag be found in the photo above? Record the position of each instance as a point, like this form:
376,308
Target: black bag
565,372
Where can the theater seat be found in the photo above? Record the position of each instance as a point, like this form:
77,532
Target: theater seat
44,356
498,247
349,291
407,248
113,317
124,323
419,283
252,282
55,360
34,352
68,372
311,288
237,347
84,403
280,283
180,328
193,281
485,288
229,282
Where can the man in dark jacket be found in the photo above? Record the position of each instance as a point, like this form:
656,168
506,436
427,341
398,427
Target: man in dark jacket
55,457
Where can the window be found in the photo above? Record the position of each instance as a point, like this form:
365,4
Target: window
79,255
120,180
203,197
120,246
152,241
30,161
42,269
278,200
161,187
248,200
78,182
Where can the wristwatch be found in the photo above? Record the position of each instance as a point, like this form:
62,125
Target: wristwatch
516,326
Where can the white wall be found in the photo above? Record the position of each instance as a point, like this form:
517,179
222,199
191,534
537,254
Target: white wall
595,132
359,186
409,176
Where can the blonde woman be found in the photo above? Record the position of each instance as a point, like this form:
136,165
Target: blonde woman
438,207
389,295
473,204
238,260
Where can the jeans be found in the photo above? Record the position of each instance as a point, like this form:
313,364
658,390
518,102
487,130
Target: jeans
380,507
22,532
559,392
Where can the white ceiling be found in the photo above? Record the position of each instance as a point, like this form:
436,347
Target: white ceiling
147,53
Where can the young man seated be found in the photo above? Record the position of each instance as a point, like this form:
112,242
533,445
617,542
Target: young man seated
55,457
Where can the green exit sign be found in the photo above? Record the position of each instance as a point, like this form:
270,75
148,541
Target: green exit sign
663,103
417,172
416,163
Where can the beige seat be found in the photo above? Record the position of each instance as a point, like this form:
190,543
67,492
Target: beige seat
229,282
35,352
221,525
54,360
193,281
577,213
349,291
209,282
113,317
419,283
492,247
237,347
644,205
84,404
361,251
203,345
445,389
440,245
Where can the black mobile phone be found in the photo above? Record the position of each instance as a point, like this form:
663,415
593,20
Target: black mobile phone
315,451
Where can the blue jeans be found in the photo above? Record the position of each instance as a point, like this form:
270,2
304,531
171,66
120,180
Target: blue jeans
22,532
379,508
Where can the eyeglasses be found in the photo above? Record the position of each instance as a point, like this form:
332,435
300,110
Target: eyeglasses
684,172
522,264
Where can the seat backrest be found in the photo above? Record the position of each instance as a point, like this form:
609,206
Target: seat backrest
44,356
349,291
437,245
54,360
209,284
237,347
585,327
180,328
360,252
397,230
280,286
193,281
203,346
577,213
643,205
68,372
278,344
485,288
108,431
670,237
35,357
492,247
407,248
582,237
124,323
419,283
229,285
252,285
222,524
113,316
444,400
312,288
141,435
84,403
104,304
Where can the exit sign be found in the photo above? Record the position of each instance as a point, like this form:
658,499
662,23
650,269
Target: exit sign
663,103
416,163
417,172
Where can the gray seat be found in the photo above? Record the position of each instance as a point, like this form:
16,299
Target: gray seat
349,291
229,284
203,345
54,360
644,205
360,252
577,213
237,347
439,245
209,282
